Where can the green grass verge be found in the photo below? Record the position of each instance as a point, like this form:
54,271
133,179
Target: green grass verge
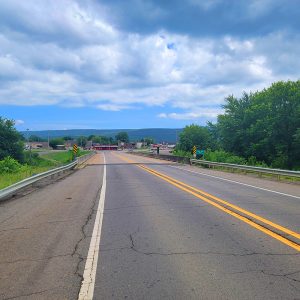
40,164
63,157
8,179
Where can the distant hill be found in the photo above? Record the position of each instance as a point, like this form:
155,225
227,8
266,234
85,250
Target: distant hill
159,135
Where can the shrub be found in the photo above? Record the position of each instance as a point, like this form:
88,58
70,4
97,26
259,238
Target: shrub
181,153
9,165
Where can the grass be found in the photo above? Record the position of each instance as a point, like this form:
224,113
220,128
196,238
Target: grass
63,157
8,179
39,164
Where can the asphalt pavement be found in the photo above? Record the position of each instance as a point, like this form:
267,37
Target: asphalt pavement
153,232
159,242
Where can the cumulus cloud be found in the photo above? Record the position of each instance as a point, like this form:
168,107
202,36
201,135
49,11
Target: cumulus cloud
116,55
207,113
19,122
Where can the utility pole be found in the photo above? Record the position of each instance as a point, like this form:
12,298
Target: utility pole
29,145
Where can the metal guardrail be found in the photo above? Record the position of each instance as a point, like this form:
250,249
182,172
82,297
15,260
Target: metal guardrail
278,172
173,158
12,189
261,170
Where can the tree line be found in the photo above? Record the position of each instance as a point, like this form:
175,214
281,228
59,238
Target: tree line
261,126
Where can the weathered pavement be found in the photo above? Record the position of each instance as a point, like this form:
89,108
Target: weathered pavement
157,241
44,237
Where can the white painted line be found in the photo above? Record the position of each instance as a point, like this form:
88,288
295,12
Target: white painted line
89,275
237,182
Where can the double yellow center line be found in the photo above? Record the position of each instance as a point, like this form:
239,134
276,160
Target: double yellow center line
274,230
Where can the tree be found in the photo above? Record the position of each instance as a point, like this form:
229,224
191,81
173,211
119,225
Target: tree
122,137
101,140
67,138
148,141
10,141
264,125
54,142
91,137
81,141
35,138
194,135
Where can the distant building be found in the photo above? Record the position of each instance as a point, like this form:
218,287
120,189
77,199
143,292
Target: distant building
60,147
37,145
105,147
139,145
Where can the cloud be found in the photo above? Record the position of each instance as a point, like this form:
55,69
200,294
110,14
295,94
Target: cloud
113,55
19,122
207,113
112,107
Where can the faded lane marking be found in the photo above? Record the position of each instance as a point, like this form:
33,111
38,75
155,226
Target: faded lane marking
89,275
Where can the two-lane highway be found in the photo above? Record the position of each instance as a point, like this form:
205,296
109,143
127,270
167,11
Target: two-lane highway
140,228
159,241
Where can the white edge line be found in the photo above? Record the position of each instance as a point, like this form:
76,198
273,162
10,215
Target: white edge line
89,275
237,182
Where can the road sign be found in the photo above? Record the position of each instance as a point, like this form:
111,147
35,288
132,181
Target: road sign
200,152
194,150
75,148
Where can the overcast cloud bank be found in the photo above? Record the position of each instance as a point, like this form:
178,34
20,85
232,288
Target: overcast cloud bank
126,55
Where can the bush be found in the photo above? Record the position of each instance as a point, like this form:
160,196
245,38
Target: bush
223,156
181,153
10,140
54,142
9,165
33,159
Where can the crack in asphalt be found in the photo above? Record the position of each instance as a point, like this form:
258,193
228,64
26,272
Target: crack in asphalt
15,229
286,275
34,260
28,295
34,225
153,205
92,210
133,247
283,275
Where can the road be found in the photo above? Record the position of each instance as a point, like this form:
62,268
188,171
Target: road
136,228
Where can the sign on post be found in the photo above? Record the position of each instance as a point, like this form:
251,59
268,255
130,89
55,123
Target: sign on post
194,149
75,149
200,153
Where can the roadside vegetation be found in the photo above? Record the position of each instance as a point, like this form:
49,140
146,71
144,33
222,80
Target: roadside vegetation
17,164
258,129
11,171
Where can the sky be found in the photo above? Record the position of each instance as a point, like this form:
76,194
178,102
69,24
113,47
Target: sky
138,64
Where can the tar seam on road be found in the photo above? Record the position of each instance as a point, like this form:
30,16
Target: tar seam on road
89,275
224,207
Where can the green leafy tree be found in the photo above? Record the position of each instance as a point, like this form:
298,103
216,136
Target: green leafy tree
91,137
81,141
194,135
10,141
35,138
103,140
67,138
122,136
264,125
54,142
148,141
